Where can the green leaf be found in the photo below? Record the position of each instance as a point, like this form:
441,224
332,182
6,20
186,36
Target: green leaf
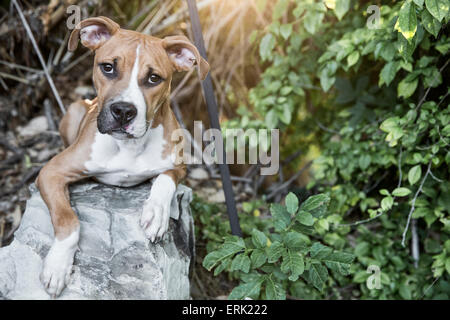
266,46
406,89
431,24
224,264
274,290
305,218
319,251
419,3
259,239
388,72
339,262
438,8
294,240
230,247
280,216
447,265
364,161
244,290
414,174
280,9
291,203
241,262
271,119
286,31
405,291
361,276
317,275
258,258
341,8
405,48
316,204
401,192
292,264
407,20
388,51
275,251
312,21
353,58
386,203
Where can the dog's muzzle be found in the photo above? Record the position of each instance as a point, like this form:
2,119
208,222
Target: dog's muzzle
116,117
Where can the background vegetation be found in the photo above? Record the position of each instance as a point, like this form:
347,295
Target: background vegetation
363,109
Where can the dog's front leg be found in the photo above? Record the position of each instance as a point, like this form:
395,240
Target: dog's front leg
156,211
53,183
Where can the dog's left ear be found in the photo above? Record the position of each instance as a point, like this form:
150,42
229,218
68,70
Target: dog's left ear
184,55
93,32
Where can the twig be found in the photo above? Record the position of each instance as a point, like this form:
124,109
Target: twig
321,126
419,105
76,61
18,66
425,292
41,59
414,203
359,222
48,115
13,77
286,184
178,16
415,243
435,178
233,178
4,84
30,174
400,174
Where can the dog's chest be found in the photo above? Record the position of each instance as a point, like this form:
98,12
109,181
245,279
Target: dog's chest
128,162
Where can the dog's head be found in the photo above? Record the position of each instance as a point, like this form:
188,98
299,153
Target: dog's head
132,73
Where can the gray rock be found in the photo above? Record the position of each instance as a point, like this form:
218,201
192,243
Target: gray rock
116,261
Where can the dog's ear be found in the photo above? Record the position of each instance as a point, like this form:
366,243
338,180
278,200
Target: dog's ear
183,55
93,32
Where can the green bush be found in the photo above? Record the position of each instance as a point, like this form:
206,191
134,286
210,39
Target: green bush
275,260
374,100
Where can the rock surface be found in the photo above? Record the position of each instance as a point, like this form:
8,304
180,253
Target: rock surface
116,261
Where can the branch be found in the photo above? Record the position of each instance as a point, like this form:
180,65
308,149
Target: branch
414,203
41,59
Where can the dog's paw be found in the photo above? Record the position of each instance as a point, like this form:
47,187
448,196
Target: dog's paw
156,212
155,219
57,266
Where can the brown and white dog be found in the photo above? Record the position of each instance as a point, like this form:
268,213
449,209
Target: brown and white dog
121,138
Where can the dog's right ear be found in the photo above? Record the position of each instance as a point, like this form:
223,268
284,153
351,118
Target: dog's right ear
93,33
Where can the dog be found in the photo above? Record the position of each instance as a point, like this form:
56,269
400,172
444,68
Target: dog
120,138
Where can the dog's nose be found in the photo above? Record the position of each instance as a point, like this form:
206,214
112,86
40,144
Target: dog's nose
123,112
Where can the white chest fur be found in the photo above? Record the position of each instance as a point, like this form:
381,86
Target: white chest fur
128,162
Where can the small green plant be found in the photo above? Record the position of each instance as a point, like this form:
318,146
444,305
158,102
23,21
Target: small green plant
267,263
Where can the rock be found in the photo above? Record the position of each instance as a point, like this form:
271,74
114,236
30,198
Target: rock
218,197
198,174
35,126
116,261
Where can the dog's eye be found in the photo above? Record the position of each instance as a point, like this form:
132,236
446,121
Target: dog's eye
154,79
107,68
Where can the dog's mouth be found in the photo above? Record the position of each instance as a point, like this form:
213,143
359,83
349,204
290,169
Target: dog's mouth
120,133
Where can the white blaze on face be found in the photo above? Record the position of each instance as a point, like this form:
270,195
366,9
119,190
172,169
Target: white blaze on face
134,95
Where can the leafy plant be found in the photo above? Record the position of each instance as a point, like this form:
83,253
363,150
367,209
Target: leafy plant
370,104
267,262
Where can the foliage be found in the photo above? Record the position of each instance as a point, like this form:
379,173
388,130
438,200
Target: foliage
269,262
372,95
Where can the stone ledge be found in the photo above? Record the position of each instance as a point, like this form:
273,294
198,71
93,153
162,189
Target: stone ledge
116,261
